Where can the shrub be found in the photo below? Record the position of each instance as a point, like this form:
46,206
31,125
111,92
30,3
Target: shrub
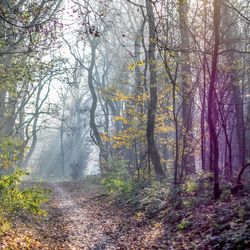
184,224
4,224
14,198
196,190
226,195
190,186
118,180
118,185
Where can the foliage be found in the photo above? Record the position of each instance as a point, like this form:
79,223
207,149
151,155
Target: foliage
122,179
153,198
16,199
118,167
4,224
117,185
184,224
118,181
10,150
196,190
226,195
190,186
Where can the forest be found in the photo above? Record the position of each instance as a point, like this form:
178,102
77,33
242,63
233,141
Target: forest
125,124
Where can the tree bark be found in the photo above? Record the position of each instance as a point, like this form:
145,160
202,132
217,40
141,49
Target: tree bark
188,162
152,106
212,109
95,136
231,38
34,128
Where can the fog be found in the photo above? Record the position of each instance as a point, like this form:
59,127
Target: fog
63,133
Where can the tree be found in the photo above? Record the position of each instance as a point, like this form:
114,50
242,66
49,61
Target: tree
212,109
187,90
152,106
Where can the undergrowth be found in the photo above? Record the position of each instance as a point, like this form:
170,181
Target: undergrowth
189,208
15,199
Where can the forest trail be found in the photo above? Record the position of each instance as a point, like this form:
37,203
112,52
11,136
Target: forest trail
77,221
80,218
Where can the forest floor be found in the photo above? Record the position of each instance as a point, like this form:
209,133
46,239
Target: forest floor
80,217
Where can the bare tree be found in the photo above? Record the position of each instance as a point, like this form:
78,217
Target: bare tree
212,109
152,106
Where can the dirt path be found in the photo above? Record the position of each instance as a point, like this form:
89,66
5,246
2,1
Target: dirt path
81,222
77,221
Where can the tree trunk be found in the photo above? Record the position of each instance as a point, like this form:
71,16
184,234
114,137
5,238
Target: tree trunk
2,109
231,38
187,159
212,109
34,128
152,107
95,133
61,143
